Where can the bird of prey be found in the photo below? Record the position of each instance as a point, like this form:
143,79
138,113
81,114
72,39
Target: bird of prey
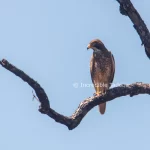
102,68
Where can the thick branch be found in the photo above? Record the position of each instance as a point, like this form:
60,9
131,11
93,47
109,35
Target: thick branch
127,8
85,106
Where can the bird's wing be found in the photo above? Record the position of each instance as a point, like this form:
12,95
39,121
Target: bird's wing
113,68
92,68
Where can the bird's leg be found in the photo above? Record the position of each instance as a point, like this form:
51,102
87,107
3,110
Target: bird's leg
102,92
98,91
97,94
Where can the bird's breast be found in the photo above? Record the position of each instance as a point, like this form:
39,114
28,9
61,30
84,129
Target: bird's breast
101,63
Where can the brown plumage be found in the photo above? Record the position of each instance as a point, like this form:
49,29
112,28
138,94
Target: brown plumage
102,68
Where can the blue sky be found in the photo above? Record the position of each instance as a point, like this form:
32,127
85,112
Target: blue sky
48,39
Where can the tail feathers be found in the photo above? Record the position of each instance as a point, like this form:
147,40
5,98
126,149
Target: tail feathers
102,108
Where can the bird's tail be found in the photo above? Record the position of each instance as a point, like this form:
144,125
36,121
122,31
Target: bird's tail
102,108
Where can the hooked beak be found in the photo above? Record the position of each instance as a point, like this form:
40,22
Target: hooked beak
88,47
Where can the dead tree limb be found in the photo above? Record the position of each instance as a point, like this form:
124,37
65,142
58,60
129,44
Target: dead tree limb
85,106
127,9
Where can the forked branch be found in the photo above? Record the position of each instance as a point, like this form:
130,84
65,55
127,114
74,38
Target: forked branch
85,106
126,8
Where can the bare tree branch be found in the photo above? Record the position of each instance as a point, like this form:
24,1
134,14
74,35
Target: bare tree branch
85,106
127,8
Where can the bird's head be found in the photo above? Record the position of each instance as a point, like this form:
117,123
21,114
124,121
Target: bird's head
96,45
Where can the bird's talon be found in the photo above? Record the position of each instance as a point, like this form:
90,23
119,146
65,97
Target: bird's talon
94,94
